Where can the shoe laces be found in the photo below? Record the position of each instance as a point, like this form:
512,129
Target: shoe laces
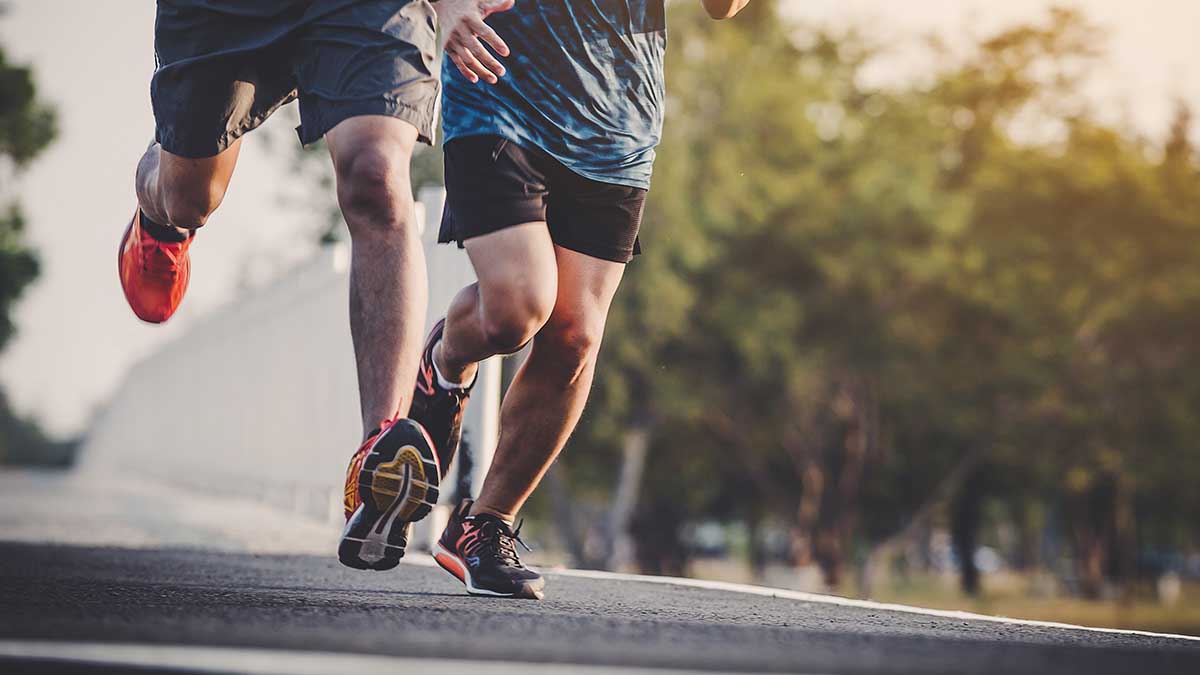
458,397
498,541
162,260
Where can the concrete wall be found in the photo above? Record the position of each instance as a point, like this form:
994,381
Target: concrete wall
260,399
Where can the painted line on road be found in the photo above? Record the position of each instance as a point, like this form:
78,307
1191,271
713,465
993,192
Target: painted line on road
802,596
253,661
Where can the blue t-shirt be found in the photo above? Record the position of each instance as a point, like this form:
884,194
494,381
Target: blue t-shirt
584,83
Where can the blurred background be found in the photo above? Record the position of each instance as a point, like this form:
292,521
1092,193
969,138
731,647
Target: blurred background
917,318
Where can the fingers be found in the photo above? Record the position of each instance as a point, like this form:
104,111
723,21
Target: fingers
478,70
474,61
485,33
462,68
466,37
484,57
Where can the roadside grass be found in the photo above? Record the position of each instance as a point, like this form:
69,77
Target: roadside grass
1034,597
1019,598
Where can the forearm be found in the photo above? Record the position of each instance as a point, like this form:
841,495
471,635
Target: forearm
723,9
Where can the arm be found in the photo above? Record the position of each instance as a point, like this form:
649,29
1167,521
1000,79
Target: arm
724,9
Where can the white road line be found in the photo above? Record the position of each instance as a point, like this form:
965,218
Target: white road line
277,661
818,598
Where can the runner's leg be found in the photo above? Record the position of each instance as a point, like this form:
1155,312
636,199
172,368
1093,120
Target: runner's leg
511,301
182,192
388,291
545,400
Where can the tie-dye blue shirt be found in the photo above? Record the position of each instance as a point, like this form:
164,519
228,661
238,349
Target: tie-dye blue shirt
584,84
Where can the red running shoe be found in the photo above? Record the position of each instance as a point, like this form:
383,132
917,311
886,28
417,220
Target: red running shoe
154,274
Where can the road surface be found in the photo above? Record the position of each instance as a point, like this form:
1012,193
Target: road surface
97,569
181,597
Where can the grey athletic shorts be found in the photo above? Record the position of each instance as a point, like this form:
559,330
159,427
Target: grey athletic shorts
225,65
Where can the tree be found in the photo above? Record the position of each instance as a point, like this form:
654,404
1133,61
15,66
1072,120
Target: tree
865,311
27,126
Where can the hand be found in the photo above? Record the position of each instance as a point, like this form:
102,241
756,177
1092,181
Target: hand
464,33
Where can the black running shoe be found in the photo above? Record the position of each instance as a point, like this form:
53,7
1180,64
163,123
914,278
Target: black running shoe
436,408
392,481
481,552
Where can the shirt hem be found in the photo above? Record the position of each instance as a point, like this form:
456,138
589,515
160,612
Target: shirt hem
602,177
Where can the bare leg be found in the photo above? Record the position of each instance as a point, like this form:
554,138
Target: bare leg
181,192
388,290
513,298
544,402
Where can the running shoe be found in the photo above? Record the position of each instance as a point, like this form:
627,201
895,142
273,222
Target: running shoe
154,274
392,481
438,409
481,552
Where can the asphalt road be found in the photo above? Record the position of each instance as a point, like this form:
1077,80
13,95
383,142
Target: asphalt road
183,597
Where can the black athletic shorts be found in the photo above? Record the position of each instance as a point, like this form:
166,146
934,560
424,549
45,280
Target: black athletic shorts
493,183
225,65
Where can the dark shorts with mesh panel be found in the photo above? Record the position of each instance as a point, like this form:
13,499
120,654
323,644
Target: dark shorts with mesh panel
492,183
225,65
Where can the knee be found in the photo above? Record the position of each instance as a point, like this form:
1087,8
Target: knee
190,207
374,191
508,325
571,342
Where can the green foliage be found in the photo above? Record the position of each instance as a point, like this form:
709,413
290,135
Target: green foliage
862,305
27,126
847,291
22,442
18,267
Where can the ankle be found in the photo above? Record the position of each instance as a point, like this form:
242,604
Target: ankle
449,374
371,430
478,509
161,230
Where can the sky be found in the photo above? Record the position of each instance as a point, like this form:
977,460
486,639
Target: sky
93,60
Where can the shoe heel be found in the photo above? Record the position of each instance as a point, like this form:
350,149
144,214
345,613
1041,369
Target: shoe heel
401,474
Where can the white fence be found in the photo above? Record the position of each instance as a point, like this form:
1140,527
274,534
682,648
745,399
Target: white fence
260,398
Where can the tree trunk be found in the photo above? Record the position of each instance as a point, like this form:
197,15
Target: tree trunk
619,544
879,559
655,528
812,493
758,558
1124,530
1032,525
857,405
565,519
1104,533
1092,522
965,519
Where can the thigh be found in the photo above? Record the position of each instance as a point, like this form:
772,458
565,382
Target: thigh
368,57
515,265
222,70
586,286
